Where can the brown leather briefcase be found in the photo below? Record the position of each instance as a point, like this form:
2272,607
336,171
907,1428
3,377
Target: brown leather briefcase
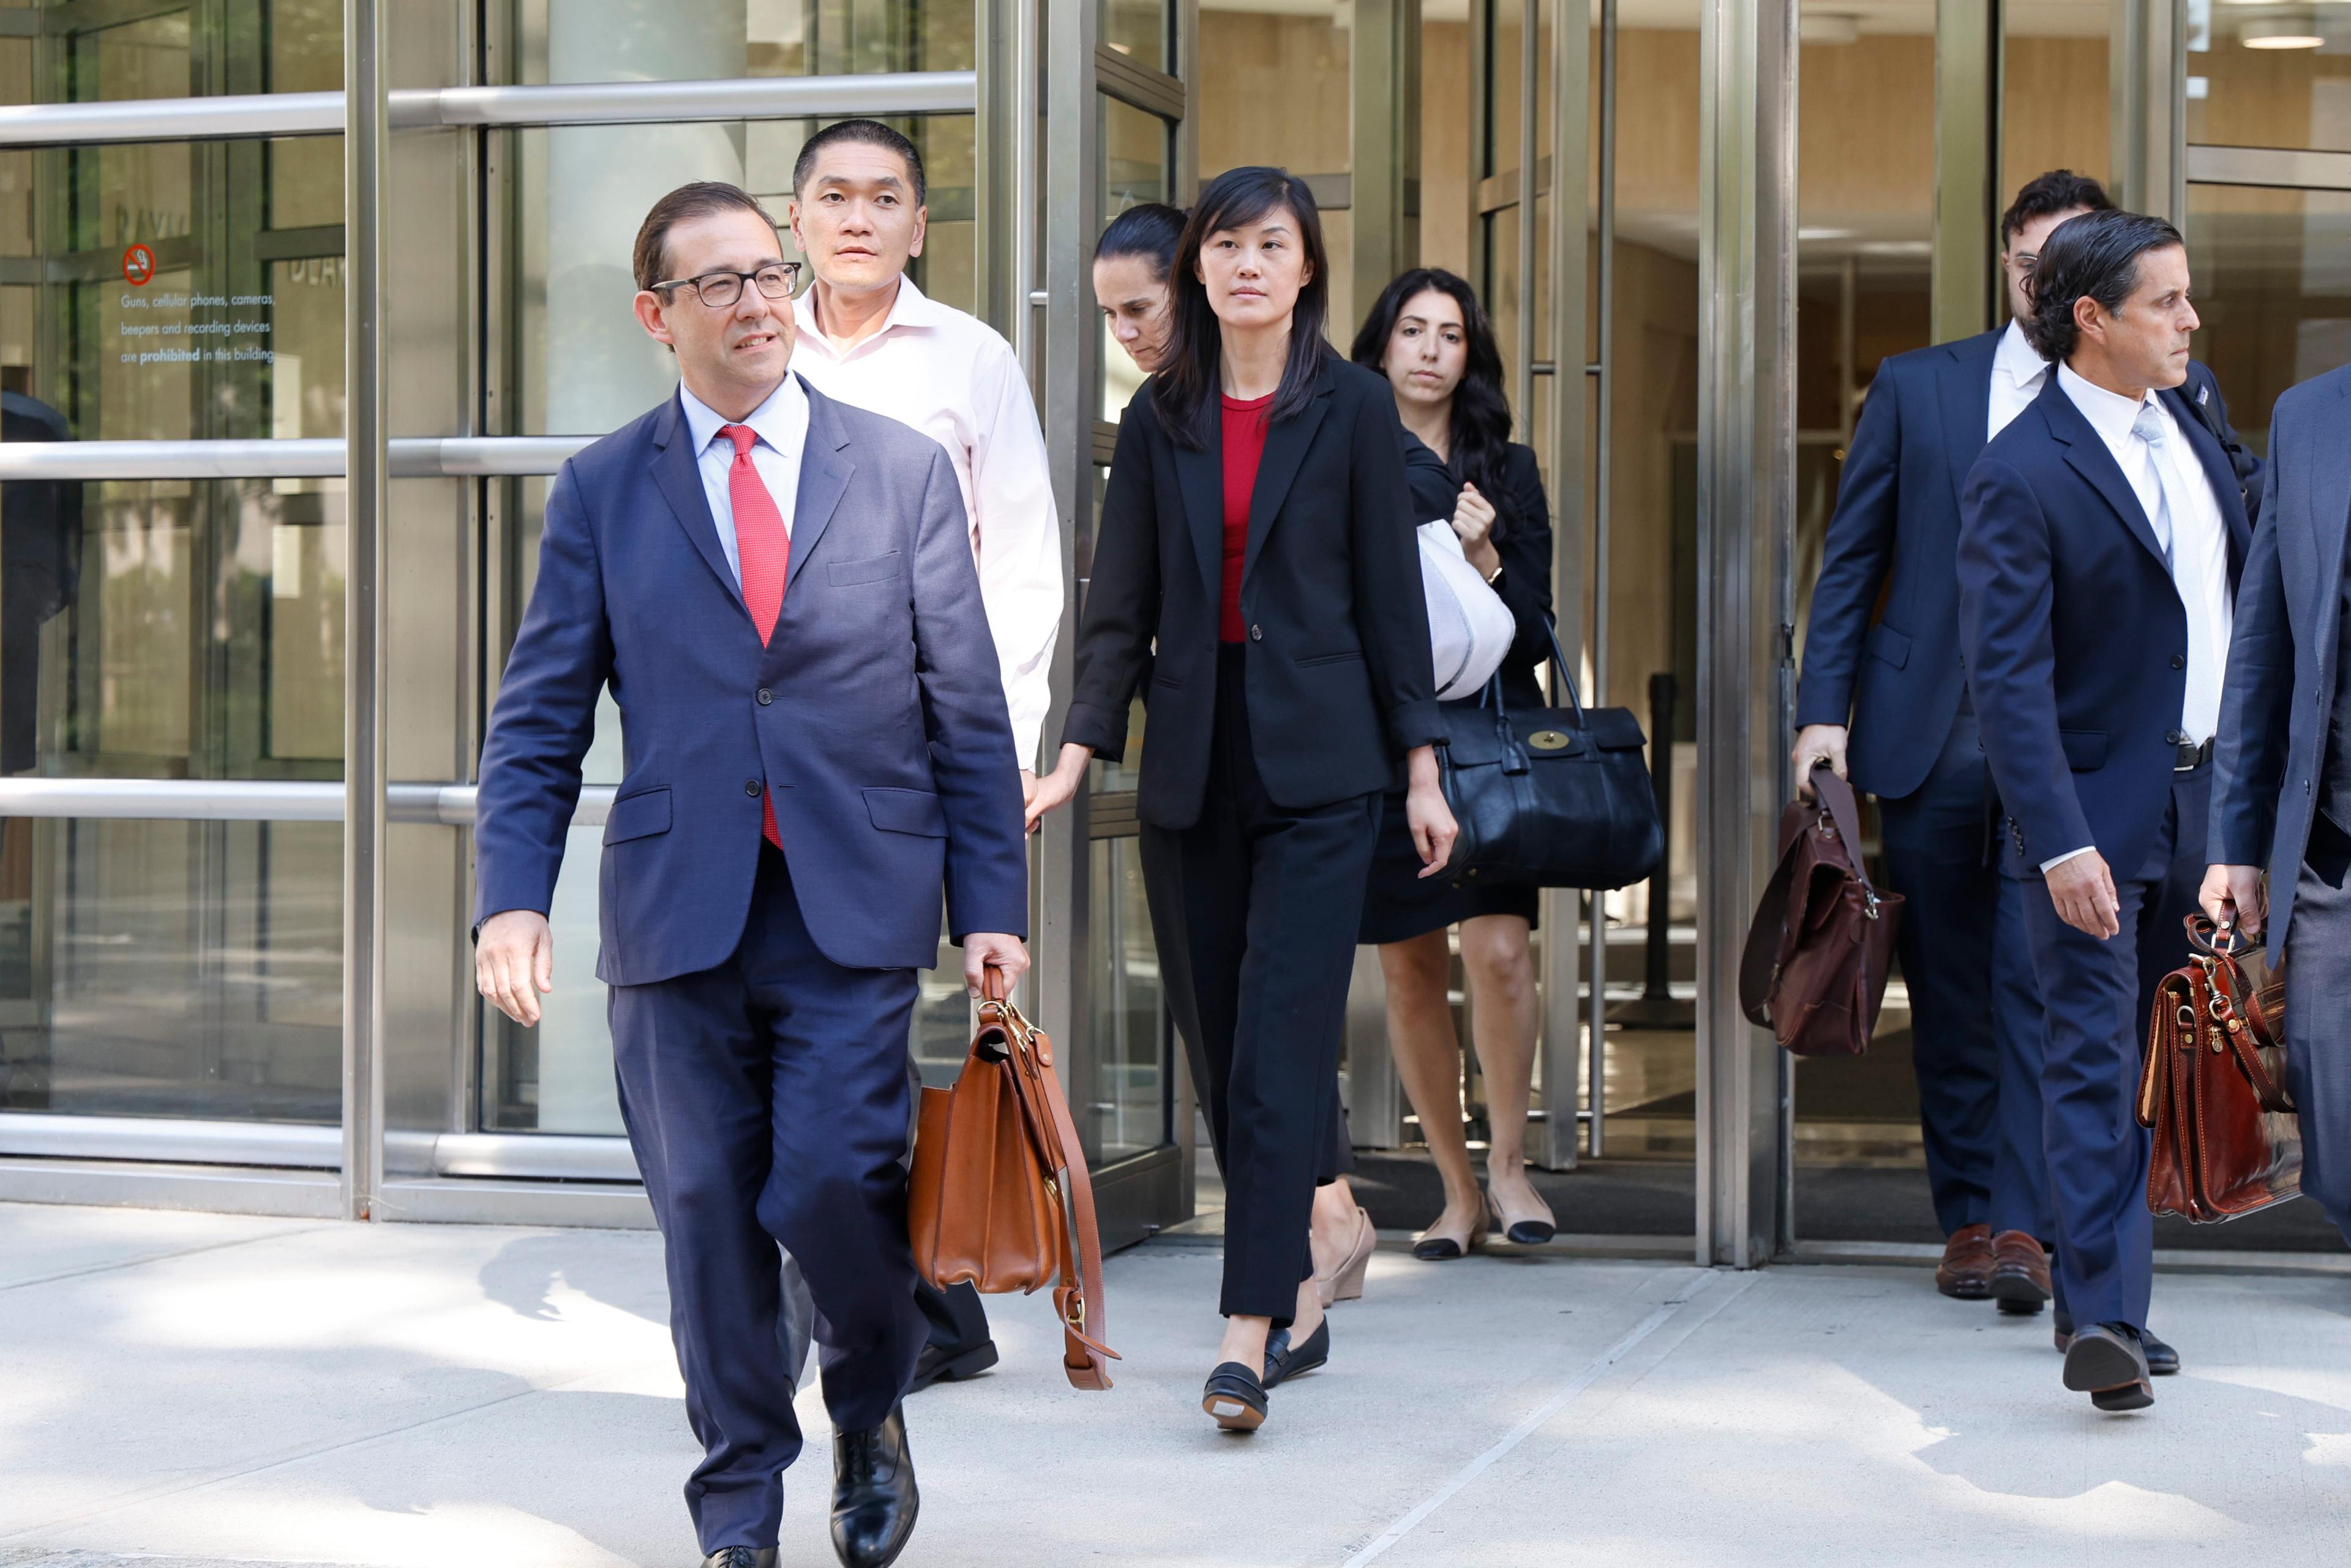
1000,1181
1815,970
2213,1088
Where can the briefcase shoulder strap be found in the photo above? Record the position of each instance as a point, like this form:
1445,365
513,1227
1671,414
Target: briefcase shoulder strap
1846,811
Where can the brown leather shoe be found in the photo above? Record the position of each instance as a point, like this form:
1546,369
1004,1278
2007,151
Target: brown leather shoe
1966,1271
2020,1272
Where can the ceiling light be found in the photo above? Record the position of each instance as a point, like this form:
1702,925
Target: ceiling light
2279,33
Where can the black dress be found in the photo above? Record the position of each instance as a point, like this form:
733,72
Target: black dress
1400,903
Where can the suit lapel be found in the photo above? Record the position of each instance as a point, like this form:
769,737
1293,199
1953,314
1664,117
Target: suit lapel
2086,452
1200,476
1285,448
2217,474
678,476
824,477
1964,390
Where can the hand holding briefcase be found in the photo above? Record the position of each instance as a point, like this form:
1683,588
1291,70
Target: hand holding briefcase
999,1180
1815,970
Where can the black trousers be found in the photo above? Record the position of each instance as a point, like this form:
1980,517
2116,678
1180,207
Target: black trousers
1254,908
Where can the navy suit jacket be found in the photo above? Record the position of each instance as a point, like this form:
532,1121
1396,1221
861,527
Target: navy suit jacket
2075,639
875,712
1895,535
2280,695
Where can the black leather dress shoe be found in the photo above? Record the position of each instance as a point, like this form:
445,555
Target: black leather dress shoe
951,1362
2106,1362
873,1496
741,1557
2162,1361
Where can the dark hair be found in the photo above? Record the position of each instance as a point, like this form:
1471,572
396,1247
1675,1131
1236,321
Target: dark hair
2094,256
1150,230
649,258
2058,191
866,133
1188,387
1480,418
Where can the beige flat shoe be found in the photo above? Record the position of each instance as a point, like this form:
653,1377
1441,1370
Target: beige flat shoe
1345,1282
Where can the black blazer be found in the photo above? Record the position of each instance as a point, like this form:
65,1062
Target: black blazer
1339,678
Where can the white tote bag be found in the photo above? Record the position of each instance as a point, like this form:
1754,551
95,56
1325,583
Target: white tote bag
1470,628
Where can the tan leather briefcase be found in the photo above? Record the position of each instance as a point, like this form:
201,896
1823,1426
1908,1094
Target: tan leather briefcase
999,1195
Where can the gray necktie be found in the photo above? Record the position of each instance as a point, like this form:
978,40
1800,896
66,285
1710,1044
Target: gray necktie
2148,427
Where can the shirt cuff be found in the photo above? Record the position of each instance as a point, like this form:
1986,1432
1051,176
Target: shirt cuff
2049,865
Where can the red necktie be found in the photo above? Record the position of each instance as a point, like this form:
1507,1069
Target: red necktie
765,552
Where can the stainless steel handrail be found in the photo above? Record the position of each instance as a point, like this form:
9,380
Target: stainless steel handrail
528,1156
412,457
253,800
569,103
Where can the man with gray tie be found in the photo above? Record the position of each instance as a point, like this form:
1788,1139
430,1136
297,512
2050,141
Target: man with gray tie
2100,536
2282,767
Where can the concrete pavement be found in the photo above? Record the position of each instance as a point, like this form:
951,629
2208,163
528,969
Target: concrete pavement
180,1390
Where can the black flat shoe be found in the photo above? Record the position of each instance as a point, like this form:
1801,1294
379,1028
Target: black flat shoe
1235,1397
951,1362
874,1497
1284,1360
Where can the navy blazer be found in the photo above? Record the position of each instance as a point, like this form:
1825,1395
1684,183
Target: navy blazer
1895,535
2075,639
1337,659
875,711
2280,695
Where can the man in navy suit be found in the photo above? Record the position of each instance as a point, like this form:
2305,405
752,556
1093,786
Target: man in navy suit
771,880
1975,1015
2100,537
2282,768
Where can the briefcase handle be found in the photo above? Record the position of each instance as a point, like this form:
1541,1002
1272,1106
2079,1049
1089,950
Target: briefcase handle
1836,797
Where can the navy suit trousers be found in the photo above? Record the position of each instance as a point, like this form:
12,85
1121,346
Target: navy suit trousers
2097,994
767,1100
2318,1018
1981,1142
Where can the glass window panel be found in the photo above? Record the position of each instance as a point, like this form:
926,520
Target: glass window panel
1135,168
1139,30
2272,281
653,40
2245,90
1447,182
1125,1112
172,968
2053,109
587,366
1274,87
1505,38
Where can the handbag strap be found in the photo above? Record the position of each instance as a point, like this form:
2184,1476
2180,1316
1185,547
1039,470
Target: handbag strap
1492,695
1078,1302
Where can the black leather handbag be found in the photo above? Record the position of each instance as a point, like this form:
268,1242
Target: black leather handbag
1553,796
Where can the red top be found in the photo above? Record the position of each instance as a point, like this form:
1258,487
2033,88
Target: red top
1244,450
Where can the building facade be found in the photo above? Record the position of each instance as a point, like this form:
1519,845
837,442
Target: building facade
302,303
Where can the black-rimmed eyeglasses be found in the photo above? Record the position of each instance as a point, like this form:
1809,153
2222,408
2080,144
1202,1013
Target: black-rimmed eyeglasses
720,289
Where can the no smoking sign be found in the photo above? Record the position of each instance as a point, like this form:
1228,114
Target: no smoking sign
138,266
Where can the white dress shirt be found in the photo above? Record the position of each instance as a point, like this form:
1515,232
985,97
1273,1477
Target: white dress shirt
2185,514
782,425
2017,375
954,377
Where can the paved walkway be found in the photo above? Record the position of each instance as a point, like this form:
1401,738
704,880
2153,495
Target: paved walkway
190,1390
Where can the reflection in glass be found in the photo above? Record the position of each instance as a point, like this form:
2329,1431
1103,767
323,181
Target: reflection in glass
2244,90
655,41
2272,285
1136,168
153,969
1140,30
1125,1109
2054,109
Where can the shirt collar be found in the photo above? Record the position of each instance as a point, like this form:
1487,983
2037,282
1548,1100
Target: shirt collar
912,307
2110,413
2016,356
778,422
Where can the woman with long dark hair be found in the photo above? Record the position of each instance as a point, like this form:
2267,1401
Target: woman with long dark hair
1132,263
1430,338
1256,557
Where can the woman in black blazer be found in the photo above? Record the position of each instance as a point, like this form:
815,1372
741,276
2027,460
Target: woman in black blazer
1256,556
1431,339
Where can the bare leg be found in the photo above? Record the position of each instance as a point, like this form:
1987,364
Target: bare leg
1334,1224
1501,974
1429,1060
1245,1338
